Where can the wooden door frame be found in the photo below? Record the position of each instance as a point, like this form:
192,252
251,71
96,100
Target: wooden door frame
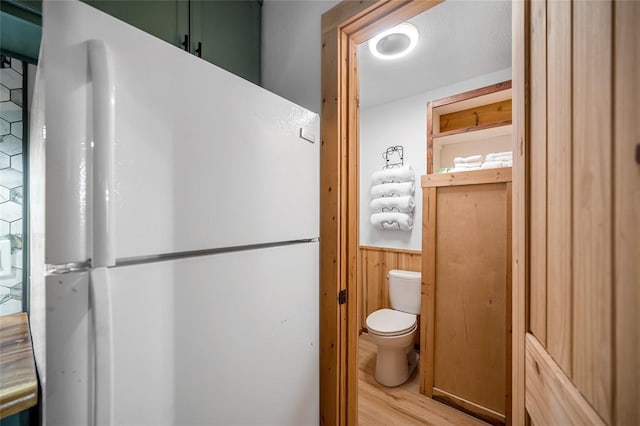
344,27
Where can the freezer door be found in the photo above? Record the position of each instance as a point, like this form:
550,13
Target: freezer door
224,339
202,158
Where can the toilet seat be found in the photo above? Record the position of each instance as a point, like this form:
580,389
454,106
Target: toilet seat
387,322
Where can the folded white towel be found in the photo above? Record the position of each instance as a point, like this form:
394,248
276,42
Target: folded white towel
497,163
394,174
464,169
470,159
392,204
507,155
392,189
400,221
468,165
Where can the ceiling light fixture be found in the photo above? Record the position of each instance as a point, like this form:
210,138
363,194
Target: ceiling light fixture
394,43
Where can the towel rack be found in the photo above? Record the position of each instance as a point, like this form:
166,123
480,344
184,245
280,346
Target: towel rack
393,156
391,223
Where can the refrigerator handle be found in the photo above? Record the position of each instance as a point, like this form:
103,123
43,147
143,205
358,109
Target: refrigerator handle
100,292
102,77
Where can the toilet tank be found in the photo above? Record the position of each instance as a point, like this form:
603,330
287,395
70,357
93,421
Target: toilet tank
404,290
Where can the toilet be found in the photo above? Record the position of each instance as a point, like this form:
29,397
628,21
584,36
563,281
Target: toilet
393,330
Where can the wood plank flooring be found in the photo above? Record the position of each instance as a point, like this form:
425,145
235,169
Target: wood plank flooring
401,405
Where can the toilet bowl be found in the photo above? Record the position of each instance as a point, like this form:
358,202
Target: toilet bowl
393,330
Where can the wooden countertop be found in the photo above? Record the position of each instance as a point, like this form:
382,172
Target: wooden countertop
18,381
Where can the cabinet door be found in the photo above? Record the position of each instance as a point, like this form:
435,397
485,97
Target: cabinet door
165,19
230,35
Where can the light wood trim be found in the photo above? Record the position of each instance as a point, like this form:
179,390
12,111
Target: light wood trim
473,177
592,204
559,188
626,211
352,240
490,98
470,407
538,161
331,281
509,302
428,314
430,132
520,75
392,13
345,12
477,134
468,130
18,380
472,94
392,250
496,112
342,27
552,399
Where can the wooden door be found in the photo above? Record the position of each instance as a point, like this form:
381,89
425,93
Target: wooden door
582,343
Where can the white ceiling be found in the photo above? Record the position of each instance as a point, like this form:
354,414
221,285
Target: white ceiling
459,40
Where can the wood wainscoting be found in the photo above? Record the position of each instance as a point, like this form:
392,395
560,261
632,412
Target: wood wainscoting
374,265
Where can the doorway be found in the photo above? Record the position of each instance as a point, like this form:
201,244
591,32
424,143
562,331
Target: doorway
344,28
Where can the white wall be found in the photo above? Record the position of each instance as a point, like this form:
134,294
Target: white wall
291,67
402,122
291,49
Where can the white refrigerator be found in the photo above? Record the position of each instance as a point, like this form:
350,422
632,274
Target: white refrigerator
180,239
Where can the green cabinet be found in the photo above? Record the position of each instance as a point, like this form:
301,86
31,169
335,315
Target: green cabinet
229,33
159,18
20,29
223,32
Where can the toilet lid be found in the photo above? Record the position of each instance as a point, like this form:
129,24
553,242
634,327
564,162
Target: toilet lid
388,321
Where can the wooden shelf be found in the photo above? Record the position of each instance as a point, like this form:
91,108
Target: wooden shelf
482,115
474,133
18,381
471,177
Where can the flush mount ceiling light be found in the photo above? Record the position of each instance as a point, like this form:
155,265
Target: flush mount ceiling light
394,43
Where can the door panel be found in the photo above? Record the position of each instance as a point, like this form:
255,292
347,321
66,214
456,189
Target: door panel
627,212
538,261
559,191
584,368
592,178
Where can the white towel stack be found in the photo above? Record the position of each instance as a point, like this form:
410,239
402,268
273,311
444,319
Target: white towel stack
403,204
394,174
498,159
473,162
400,221
392,189
392,201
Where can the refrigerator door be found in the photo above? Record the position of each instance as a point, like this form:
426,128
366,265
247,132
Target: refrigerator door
202,159
68,398
224,339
